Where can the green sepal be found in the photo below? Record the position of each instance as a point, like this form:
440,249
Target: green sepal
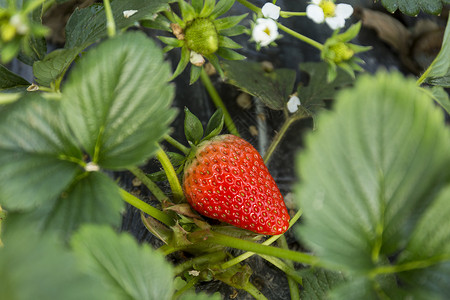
160,23
173,42
215,125
228,22
215,62
178,20
187,11
197,5
184,60
208,8
193,128
233,31
222,7
229,54
226,42
195,74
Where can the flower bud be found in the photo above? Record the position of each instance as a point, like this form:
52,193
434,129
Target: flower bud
342,52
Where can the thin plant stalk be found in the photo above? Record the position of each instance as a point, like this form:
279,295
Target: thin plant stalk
280,135
204,259
288,270
287,14
110,24
153,187
267,242
228,241
292,282
252,290
186,287
301,37
177,144
146,208
171,175
218,102
250,6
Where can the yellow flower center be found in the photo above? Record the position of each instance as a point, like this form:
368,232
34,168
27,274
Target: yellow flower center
267,31
328,8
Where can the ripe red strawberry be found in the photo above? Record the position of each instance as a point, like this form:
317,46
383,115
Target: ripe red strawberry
227,180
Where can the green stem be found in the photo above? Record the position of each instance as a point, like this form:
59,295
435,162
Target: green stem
218,102
267,242
172,176
292,274
278,137
110,24
207,258
176,144
154,189
301,37
166,249
32,6
292,281
252,290
250,6
186,287
419,264
424,75
228,241
2,216
287,14
147,208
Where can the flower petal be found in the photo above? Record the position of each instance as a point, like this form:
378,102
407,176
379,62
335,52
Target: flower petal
315,13
265,31
343,10
316,2
293,104
270,10
335,22
129,13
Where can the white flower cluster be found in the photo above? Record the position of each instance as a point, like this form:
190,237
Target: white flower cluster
266,30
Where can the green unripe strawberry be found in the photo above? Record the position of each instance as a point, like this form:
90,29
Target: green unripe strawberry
201,36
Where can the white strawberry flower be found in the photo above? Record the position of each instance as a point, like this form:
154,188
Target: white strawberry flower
270,10
293,104
265,31
326,10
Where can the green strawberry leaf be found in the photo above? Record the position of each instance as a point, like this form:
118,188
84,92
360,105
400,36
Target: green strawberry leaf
438,73
88,25
272,88
413,7
37,153
441,97
215,124
54,65
318,282
36,47
10,80
319,89
119,123
193,128
129,270
430,245
371,169
91,198
34,266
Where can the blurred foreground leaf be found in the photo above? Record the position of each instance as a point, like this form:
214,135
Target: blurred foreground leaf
33,267
129,270
371,172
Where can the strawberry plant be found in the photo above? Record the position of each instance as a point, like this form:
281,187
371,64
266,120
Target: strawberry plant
98,136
